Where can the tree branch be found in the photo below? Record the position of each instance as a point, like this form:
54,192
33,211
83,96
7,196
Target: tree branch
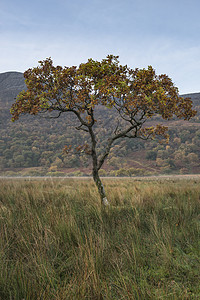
56,117
111,141
80,128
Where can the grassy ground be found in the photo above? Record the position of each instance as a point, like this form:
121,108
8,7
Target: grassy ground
57,243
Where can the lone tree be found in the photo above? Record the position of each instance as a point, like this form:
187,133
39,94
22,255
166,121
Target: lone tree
135,94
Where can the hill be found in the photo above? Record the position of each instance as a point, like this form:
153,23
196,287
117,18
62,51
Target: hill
34,145
11,83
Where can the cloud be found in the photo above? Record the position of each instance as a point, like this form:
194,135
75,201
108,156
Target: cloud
142,33
178,61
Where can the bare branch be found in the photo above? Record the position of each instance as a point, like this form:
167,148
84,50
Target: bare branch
50,117
81,128
111,141
115,131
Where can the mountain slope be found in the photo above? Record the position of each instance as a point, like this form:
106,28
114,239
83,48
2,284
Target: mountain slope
32,142
11,84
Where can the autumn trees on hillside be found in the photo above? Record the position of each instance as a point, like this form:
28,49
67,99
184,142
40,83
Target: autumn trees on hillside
135,94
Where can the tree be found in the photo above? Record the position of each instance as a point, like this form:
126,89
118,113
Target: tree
136,95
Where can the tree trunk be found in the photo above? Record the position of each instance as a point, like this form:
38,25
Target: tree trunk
100,187
95,171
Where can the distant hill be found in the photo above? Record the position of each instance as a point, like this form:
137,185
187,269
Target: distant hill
35,145
195,97
11,84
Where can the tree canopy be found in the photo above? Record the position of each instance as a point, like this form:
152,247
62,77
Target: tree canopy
135,94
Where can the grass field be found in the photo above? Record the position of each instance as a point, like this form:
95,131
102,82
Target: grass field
56,242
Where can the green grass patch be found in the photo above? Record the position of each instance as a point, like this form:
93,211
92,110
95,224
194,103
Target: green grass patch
56,241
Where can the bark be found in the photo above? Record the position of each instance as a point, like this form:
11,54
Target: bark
100,187
95,172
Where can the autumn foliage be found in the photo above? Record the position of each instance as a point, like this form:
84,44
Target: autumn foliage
136,94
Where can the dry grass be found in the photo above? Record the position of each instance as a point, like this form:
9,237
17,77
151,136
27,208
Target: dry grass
58,243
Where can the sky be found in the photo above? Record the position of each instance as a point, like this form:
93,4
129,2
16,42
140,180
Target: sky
164,34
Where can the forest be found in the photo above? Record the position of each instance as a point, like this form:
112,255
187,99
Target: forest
34,146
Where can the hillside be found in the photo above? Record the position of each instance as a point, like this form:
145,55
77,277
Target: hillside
11,83
34,145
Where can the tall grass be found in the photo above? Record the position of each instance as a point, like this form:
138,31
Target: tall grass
56,242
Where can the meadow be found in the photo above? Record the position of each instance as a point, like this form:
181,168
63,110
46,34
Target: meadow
57,242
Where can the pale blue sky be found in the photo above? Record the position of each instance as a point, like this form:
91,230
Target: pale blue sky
164,34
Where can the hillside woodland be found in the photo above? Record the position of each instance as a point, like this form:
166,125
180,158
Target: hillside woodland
34,145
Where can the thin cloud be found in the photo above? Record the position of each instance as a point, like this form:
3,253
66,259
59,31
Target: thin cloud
142,33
